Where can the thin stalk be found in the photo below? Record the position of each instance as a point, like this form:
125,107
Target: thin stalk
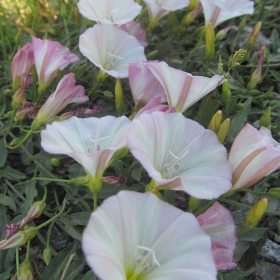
94,201
17,262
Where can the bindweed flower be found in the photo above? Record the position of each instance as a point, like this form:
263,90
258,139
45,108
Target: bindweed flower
111,53
133,28
92,142
66,92
50,56
22,64
155,106
137,236
143,84
218,11
254,154
182,89
219,224
158,8
175,153
28,109
109,11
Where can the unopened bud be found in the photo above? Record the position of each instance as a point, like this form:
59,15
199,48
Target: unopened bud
55,162
274,192
223,130
215,122
77,17
80,181
26,272
118,155
172,21
192,5
193,14
209,41
47,255
266,118
253,36
222,33
119,97
193,204
220,66
151,55
226,93
255,214
18,239
101,77
242,24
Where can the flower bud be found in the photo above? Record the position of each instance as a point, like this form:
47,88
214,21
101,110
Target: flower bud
55,162
215,122
223,130
253,36
222,33
47,255
119,97
220,66
18,239
193,14
242,24
209,41
172,21
26,272
80,181
151,55
226,93
77,17
193,4
193,203
255,214
266,118
274,192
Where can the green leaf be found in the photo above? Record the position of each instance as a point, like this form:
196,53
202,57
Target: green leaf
4,152
239,120
235,274
4,220
7,201
58,263
169,195
2,103
207,109
75,268
70,229
275,40
31,193
275,74
12,174
7,258
252,235
80,218
89,276
6,274
241,247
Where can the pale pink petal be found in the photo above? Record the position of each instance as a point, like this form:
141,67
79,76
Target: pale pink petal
182,89
66,92
143,84
155,106
50,56
217,221
216,11
109,11
111,53
158,240
133,28
254,154
179,153
90,141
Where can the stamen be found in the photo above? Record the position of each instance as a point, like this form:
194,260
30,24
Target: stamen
95,140
179,157
150,251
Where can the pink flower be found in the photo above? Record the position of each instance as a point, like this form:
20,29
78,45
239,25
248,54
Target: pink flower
219,224
158,8
254,154
22,64
218,11
91,141
81,113
109,11
182,89
135,29
180,154
137,236
28,108
143,84
66,92
111,53
50,57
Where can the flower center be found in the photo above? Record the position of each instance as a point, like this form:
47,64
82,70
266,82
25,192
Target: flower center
173,166
145,261
111,61
95,146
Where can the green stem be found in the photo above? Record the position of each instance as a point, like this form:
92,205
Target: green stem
94,201
11,121
54,217
51,179
205,208
93,88
27,250
17,262
194,49
21,141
